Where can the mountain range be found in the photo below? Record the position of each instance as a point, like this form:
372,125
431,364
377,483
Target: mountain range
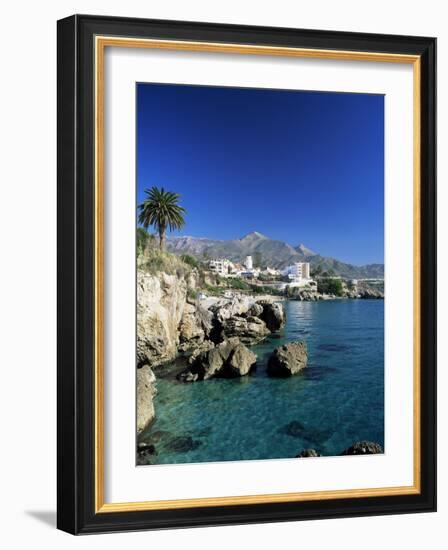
273,253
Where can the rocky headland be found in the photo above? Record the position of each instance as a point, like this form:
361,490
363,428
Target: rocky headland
214,332
180,313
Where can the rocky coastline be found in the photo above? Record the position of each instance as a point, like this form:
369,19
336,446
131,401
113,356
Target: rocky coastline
215,334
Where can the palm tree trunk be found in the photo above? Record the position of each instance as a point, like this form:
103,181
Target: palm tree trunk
162,238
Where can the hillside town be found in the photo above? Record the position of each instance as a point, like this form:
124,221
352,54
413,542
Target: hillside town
298,274
295,280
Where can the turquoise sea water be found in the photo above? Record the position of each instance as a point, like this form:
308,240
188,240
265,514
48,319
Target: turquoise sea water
337,400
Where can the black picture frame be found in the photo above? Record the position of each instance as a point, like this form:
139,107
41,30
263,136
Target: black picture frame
76,257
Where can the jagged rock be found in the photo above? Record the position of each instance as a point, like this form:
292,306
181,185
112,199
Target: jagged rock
194,325
364,448
370,294
205,346
255,310
237,306
187,376
288,359
146,390
144,449
240,361
308,453
250,330
228,359
161,300
273,315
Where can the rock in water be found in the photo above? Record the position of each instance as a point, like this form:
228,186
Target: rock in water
364,448
288,359
146,390
145,449
183,444
250,330
228,359
308,453
240,362
273,315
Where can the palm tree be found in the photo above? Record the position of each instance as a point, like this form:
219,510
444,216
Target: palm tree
162,210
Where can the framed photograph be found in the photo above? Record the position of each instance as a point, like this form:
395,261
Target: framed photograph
246,274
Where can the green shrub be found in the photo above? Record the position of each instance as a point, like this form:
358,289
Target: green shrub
189,260
330,286
155,261
144,239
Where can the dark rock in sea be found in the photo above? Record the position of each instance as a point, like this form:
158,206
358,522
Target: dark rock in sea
315,436
187,376
144,449
159,435
229,359
294,429
288,359
308,453
203,432
364,448
183,444
273,315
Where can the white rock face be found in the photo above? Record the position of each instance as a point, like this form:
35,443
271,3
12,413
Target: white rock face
146,390
161,301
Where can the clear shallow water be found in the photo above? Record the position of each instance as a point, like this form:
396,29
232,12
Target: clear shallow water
339,398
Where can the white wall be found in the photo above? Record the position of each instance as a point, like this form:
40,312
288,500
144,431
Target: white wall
28,274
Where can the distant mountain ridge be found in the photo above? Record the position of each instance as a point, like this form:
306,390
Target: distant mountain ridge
274,253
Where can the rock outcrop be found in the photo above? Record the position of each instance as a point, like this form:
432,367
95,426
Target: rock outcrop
229,359
308,453
288,359
273,315
364,448
161,301
245,319
370,294
169,322
196,325
250,330
146,390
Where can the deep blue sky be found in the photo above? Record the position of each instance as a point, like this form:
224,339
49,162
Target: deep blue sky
302,167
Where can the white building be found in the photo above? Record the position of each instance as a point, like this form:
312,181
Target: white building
222,266
298,270
299,274
248,263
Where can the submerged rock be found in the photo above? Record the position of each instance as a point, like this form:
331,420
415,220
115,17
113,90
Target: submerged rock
144,449
146,390
228,359
363,448
293,428
308,453
183,444
288,359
